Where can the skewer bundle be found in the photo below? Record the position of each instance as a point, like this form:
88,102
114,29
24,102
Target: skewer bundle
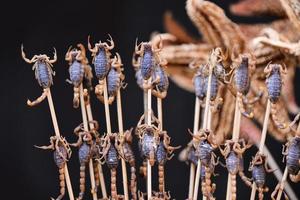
95,150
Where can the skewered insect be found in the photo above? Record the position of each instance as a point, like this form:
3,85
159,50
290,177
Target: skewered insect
61,154
161,82
292,153
199,83
148,139
147,58
258,167
110,154
204,145
102,62
274,84
84,142
115,78
242,83
78,70
128,155
163,154
43,73
233,154
161,195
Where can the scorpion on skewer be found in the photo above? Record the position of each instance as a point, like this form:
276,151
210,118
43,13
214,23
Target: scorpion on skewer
148,139
110,154
79,70
102,63
43,73
161,83
233,154
86,144
274,84
259,167
61,154
115,79
147,59
163,154
242,83
128,155
204,144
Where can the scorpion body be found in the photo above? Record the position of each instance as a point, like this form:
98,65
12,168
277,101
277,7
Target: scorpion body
130,158
199,83
293,158
110,154
161,83
101,63
274,85
258,167
78,70
204,152
43,73
233,152
61,153
147,62
149,146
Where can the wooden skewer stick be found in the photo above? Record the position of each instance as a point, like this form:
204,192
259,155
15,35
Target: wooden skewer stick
121,132
99,166
86,128
195,129
57,133
204,126
148,113
285,174
262,142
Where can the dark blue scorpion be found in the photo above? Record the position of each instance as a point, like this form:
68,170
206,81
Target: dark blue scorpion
78,70
102,63
43,73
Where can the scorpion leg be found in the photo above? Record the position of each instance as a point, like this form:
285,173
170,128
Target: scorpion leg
111,99
112,44
93,50
245,179
33,59
54,57
39,99
139,49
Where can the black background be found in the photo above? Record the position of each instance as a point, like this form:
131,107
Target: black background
29,173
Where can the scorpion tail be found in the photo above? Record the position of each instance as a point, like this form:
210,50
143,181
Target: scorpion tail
133,182
82,182
275,118
161,178
113,183
38,100
76,97
242,106
97,179
61,183
99,92
233,186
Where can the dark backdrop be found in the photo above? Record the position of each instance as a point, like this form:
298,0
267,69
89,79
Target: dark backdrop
29,173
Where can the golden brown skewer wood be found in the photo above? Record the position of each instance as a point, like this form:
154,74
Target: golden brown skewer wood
121,132
148,114
86,128
57,133
99,166
262,142
195,129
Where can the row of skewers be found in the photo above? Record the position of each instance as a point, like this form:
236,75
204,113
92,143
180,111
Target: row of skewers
154,142
95,150
200,151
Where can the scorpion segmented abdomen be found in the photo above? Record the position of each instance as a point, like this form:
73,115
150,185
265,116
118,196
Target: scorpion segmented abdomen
192,156
43,74
112,158
199,85
163,83
128,154
232,163
101,64
259,175
161,154
57,155
213,87
113,82
149,145
84,153
147,62
274,84
76,71
293,156
241,77
204,152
